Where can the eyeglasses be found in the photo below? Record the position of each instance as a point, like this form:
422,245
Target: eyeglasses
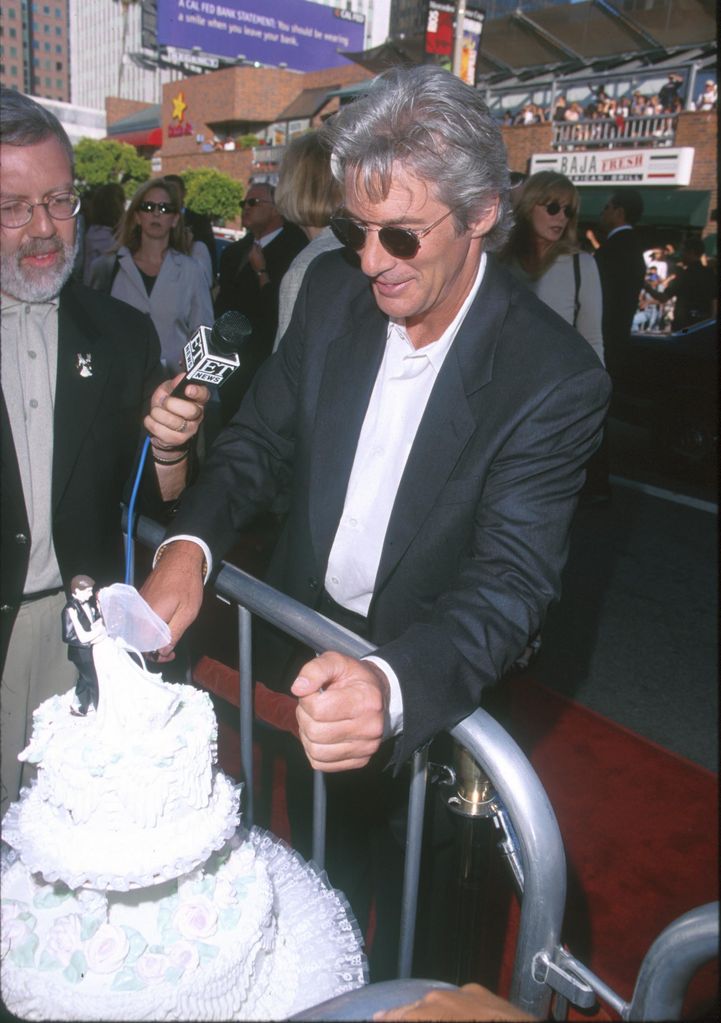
552,208
254,202
400,242
17,212
156,207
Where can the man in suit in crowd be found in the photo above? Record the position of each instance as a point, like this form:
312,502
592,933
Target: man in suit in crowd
622,269
249,280
432,419
80,370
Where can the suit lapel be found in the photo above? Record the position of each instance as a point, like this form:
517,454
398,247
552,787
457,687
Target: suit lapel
449,421
351,366
77,397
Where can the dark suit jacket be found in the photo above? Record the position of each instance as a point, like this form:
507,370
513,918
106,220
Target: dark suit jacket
239,287
479,530
622,269
97,426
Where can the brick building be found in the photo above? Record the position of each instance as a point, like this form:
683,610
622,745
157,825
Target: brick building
206,120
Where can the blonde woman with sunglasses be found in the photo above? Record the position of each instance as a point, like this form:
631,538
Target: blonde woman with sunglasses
543,252
152,271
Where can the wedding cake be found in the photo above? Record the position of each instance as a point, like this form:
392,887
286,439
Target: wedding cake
128,892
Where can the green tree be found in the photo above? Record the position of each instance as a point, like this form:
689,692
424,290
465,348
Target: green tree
98,161
209,191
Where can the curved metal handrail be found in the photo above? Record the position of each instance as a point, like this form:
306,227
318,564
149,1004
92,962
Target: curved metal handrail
509,770
670,963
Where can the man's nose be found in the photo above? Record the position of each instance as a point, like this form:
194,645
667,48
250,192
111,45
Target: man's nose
374,258
41,224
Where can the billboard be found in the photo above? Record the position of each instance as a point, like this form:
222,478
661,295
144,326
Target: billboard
305,36
440,37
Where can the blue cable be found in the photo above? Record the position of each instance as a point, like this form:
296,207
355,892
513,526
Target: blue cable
131,513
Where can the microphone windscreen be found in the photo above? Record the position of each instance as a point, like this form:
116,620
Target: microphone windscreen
230,330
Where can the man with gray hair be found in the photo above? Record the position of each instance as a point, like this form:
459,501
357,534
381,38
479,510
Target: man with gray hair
432,418
79,372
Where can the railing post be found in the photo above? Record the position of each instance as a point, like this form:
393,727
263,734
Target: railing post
245,707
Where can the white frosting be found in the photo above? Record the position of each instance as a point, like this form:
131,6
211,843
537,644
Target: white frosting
149,956
188,949
117,810
127,893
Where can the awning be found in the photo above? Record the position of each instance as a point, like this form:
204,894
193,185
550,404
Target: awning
663,207
154,137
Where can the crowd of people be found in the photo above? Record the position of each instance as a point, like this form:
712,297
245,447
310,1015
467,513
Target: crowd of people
615,112
426,396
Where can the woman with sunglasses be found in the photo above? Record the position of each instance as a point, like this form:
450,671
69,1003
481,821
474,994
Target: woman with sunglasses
152,271
543,251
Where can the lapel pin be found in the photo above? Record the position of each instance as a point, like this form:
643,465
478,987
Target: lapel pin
84,364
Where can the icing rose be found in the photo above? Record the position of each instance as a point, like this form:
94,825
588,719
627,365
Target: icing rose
9,911
151,967
92,902
196,917
184,956
64,938
225,893
15,931
107,949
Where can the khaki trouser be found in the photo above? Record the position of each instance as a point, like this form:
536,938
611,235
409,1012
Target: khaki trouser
36,668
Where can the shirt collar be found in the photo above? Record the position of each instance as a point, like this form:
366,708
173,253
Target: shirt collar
9,302
268,238
621,227
436,351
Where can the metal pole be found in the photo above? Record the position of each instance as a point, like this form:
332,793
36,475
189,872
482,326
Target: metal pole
319,818
544,861
411,874
458,40
245,709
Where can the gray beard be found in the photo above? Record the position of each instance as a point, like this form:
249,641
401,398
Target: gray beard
36,286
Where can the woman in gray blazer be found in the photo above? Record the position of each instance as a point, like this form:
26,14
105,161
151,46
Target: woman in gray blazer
151,271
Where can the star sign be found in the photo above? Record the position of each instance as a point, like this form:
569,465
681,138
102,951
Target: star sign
179,107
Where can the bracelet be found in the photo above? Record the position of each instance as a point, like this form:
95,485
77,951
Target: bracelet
170,461
261,272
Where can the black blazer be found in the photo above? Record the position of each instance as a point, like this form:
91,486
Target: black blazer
97,427
479,530
239,287
621,267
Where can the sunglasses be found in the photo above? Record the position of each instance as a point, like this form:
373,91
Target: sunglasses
156,207
400,242
254,202
552,208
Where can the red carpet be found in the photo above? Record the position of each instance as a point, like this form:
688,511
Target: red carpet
640,829
640,826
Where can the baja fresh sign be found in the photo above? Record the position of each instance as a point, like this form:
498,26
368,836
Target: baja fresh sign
620,166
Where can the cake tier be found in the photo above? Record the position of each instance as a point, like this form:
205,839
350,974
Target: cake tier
117,776
206,947
114,809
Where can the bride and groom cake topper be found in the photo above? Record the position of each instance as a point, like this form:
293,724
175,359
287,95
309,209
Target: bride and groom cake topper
106,634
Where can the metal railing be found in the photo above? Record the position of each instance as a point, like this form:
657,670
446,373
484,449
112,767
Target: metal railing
541,965
606,133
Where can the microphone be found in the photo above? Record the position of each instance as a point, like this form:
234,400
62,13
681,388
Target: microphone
211,355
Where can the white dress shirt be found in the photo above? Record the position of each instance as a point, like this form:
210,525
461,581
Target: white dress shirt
400,395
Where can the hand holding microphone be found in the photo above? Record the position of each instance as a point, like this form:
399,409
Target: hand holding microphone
176,408
211,356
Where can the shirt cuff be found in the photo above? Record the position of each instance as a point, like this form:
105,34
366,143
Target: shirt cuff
394,721
207,564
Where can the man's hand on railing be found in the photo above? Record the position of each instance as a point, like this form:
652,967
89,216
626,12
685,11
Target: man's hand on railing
174,589
342,709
